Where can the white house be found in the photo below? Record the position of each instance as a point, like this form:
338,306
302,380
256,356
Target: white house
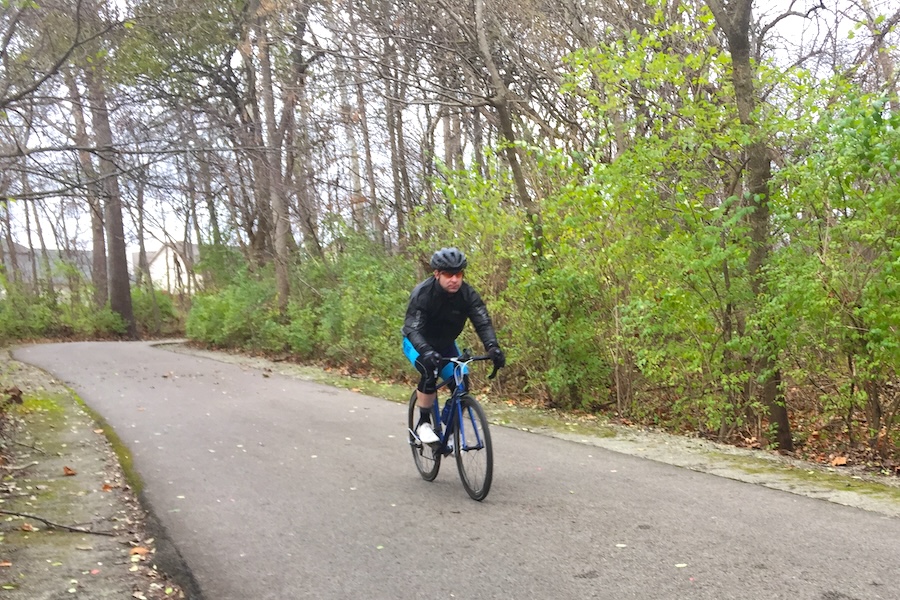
172,267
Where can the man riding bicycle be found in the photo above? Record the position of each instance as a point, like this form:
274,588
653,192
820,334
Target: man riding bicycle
437,312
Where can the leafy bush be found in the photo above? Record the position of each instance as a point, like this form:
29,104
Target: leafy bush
835,302
24,315
236,315
357,305
154,313
348,310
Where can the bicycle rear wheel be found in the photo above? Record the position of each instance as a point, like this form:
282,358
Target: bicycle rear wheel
474,452
426,457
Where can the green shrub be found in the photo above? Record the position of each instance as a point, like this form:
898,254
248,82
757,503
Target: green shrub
154,313
236,316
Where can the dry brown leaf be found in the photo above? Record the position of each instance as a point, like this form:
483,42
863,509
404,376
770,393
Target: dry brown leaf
839,461
139,550
98,431
15,394
27,527
68,471
5,563
107,487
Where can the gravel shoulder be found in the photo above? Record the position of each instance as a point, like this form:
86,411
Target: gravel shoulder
71,524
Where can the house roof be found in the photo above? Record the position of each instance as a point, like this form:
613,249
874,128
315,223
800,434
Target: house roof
26,257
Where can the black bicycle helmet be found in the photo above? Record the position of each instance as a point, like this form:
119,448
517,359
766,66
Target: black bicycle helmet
450,260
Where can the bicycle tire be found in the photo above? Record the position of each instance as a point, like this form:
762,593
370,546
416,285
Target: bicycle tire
473,448
426,457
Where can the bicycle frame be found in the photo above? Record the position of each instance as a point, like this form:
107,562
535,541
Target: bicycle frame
446,430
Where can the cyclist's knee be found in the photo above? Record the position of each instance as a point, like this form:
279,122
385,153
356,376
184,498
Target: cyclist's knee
427,385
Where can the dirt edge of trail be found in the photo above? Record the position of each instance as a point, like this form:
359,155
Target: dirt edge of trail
72,524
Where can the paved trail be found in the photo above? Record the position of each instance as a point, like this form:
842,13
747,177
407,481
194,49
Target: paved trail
277,488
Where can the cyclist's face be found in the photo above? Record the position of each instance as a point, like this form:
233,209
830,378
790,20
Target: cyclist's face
449,281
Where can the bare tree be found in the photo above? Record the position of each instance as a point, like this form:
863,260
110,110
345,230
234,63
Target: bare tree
116,255
99,275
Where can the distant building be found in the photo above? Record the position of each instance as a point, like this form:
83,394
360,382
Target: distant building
172,267
64,264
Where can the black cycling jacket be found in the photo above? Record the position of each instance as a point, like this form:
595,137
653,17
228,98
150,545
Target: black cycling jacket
434,318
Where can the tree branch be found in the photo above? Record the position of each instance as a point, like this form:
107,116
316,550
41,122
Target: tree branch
57,525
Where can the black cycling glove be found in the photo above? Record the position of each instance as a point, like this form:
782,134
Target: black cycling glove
431,360
497,356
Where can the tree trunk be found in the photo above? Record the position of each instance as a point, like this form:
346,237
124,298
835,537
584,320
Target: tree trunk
478,142
99,278
378,226
734,20
392,110
273,162
253,143
45,254
32,255
358,204
501,101
117,258
13,273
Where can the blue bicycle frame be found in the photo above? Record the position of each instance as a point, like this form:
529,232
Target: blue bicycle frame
447,420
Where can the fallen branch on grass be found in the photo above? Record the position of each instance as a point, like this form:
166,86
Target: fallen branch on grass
19,467
30,447
57,525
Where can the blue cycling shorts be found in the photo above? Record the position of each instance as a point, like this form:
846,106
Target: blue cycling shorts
428,382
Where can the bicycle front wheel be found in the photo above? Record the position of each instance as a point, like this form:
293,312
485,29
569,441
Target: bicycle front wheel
474,453
427,457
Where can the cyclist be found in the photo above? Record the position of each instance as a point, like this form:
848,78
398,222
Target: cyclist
437,311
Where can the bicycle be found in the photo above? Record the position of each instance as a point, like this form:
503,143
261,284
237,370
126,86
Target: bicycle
464,433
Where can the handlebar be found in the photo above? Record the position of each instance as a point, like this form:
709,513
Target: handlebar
466,358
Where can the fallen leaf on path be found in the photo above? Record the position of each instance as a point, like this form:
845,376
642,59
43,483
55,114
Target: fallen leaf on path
139,550
107,487
98,431
5,563
839,461
68,471
28,527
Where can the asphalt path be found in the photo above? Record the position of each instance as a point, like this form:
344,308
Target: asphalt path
273,487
